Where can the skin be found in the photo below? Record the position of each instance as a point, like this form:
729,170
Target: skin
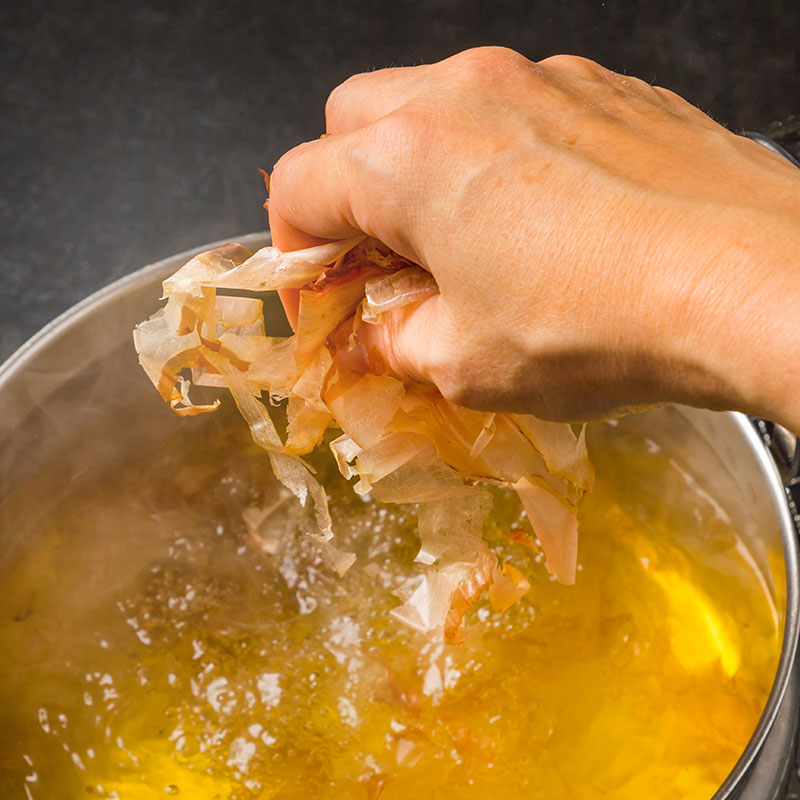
599,242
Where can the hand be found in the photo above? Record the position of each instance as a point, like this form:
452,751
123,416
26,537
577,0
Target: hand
598,241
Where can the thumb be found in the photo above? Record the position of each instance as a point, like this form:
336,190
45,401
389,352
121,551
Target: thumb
408,343
286,237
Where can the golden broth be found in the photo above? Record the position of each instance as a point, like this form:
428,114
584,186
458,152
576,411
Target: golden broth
169,631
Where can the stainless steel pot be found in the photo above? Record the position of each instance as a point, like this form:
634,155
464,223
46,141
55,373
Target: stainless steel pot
79,374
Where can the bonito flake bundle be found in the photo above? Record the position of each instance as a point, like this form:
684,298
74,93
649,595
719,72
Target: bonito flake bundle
403,441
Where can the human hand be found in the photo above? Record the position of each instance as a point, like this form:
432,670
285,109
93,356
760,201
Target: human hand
598,242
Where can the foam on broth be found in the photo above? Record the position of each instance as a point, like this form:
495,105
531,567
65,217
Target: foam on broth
168,630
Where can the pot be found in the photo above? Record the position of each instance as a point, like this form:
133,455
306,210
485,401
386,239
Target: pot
77,383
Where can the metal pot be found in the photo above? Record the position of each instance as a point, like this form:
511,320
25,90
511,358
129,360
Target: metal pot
79,374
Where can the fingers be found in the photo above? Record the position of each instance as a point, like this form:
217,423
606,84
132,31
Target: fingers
290,299
357,102
309,185
350,184
365,98
300,216
362,99
315,173
310,190
286,237
407,343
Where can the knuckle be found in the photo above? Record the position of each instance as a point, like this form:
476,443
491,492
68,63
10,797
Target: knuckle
452,374
637,86
667,96
339,99
351,98
576,66
331,108
488,62
402,123
277,178
285,167
397,134
674,101
282,167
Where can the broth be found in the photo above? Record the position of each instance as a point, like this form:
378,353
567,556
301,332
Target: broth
169,630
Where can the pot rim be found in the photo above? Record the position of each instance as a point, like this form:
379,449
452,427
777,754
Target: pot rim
791,625
137,279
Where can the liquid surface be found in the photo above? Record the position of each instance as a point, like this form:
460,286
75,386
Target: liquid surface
170,631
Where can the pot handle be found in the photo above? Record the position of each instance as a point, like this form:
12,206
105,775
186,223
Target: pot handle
785,450
770,145
783,445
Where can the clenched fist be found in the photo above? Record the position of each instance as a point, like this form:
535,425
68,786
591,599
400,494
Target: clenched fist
598,242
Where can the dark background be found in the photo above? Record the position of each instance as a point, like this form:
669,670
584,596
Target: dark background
130,131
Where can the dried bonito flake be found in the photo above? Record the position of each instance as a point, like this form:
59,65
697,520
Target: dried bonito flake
403,441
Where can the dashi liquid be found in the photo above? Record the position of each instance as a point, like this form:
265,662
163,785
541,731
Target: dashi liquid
169,630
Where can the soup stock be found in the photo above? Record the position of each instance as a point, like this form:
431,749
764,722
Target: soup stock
74,404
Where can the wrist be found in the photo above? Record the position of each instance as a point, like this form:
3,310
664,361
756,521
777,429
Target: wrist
740,338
